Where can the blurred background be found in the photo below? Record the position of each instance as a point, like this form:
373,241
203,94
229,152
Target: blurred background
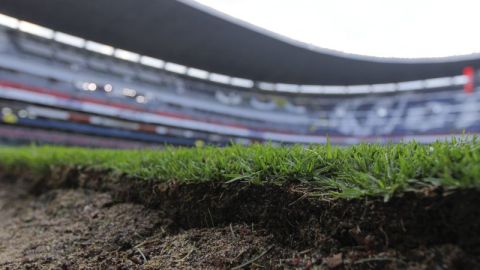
134,74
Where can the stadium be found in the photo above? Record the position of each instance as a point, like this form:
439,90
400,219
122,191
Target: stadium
169,135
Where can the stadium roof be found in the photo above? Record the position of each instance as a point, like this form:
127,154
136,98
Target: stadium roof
190,34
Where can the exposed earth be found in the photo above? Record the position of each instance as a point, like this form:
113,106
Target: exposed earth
75,219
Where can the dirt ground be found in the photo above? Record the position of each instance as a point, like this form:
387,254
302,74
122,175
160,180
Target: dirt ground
76,226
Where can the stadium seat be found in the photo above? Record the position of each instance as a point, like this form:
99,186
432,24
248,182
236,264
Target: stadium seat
123,69
147,75
70,56
35,47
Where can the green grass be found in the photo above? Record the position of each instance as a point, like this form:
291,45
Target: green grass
347,172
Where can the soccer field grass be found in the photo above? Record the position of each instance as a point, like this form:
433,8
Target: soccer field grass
346,172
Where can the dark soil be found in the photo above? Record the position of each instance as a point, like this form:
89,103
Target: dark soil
74,218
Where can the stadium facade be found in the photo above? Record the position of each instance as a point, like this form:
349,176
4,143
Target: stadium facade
207,78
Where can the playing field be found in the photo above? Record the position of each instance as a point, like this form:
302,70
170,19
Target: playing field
361,207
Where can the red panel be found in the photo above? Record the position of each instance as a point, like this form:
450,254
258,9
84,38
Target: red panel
147,128
470,85
77,117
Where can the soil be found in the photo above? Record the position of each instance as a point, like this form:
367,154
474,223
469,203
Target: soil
77,218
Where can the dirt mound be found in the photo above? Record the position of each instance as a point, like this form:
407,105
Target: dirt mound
74,218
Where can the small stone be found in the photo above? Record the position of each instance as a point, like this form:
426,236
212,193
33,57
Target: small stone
334,261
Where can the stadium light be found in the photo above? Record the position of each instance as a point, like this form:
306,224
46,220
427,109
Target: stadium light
126,55
219,78
176,68
385,87
284,87
460,80
311,89
240,82
89,86
410,85
99,48
152,62
438,82
9,21
108,88
69,40
197,73
129,92
358,89
140,99
36,30
335,89
266,86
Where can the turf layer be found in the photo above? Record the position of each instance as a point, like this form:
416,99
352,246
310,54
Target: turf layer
347,172
201,223
257,206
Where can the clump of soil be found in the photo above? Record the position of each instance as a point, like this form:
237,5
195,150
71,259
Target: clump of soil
74,218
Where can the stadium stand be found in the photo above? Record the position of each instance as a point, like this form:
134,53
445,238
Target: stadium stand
50,83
